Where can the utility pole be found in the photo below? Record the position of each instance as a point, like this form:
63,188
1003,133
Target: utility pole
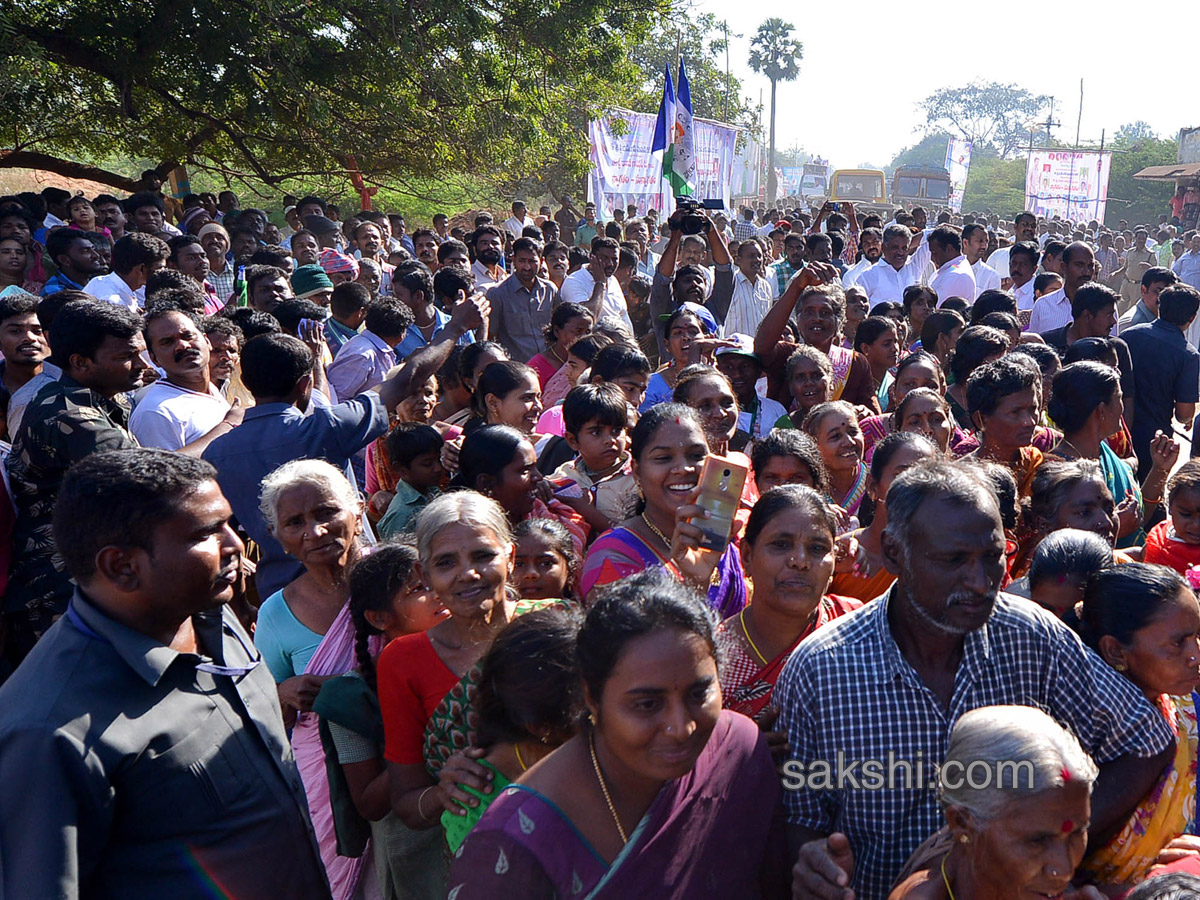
1050,122
725,31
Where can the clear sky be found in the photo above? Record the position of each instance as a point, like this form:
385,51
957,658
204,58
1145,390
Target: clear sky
851,110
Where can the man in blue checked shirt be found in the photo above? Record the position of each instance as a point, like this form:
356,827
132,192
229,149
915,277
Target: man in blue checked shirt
887,682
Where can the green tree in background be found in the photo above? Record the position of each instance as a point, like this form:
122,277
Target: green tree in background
701,42
286,90
775,54
993,116
1137,201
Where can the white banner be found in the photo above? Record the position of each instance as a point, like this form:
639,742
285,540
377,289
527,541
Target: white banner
958,162
625,170
747,169
1073,185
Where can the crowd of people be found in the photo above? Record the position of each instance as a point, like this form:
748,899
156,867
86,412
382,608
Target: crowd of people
390,550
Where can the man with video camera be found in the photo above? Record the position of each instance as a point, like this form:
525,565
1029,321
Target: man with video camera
674,288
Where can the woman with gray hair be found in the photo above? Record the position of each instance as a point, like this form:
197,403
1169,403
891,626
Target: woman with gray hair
427,681
305,631
1016,791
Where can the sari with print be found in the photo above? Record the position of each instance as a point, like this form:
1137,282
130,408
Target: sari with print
1167,812
453,724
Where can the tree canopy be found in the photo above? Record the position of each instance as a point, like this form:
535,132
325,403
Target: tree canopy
284,89
701,42
994,116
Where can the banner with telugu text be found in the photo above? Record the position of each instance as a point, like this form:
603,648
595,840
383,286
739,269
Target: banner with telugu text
1066,183
958,163
626,170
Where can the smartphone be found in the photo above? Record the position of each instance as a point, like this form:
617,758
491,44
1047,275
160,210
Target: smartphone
721,483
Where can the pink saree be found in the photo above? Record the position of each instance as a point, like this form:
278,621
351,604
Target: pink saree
334,656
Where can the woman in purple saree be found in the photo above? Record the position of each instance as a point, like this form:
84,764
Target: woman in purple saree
662,794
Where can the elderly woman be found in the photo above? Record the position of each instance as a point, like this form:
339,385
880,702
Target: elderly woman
659,773
427,680
1004,399
1019,834
305,632
820,311
810,382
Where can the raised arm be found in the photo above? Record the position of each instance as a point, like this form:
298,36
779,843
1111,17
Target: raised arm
770,330
468,314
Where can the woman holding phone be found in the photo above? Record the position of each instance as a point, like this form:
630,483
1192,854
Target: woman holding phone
669,449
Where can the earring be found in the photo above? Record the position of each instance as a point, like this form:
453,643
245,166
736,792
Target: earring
1120,667
963,839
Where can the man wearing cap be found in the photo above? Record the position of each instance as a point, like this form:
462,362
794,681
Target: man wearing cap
338,266
327,231
741,365
311,283
221,272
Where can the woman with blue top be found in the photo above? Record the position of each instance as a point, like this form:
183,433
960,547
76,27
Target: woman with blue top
688,333
305,632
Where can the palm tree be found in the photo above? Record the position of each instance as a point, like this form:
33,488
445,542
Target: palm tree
776,54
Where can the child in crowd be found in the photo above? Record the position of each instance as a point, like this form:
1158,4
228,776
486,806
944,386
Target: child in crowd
579,361
599,483
387,600
787,456
545,566
740,364
415,453
1175,542
621,364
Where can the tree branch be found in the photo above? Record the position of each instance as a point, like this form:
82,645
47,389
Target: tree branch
27,159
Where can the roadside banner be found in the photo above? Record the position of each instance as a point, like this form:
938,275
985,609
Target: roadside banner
958,163
1066,183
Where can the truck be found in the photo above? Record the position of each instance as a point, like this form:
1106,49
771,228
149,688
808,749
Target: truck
815,181
927,186
865,188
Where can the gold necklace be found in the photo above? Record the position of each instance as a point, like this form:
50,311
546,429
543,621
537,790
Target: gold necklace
654,528
945,879
604,788
750,640
517,749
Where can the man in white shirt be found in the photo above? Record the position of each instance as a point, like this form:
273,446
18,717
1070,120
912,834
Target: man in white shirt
953,276
518,221
638,232
1024,229
183,411
1054,310
870,242
754,291
896,269
135,258
974,245
595,286
1022,267
489,250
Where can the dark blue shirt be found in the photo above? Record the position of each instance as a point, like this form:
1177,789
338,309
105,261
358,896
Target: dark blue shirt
276,433
1168,372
